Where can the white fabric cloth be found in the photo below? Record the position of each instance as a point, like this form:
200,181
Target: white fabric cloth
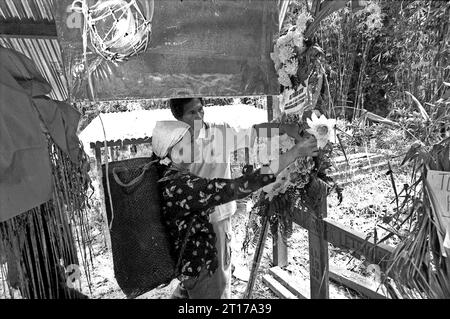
166,134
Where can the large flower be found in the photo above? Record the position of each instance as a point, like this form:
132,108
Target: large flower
323,129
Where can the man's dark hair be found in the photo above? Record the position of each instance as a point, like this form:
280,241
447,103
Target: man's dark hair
177,105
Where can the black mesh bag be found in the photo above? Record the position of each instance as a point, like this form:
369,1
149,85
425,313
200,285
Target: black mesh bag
139,240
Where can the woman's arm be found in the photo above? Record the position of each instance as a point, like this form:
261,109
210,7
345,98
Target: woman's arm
194,193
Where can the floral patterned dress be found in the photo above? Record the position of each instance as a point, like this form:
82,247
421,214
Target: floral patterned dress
187,202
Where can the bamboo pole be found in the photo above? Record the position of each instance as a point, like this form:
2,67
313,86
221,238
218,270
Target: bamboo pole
257,258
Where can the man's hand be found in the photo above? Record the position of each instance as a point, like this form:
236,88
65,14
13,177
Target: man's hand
292,130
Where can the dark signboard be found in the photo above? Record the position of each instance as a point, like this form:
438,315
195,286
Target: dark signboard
195,48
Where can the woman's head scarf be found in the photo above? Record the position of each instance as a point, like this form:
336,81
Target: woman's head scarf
166,134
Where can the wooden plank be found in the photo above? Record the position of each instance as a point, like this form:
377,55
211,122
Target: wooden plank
299,289
280,251
351,157
359,170
344,237
281,291
364,286
347,238
318,250
16,28
359,162
279,247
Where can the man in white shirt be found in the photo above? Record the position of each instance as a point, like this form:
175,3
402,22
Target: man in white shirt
210,154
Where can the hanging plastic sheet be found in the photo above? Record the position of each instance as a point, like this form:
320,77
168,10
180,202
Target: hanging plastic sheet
25,113
191,48
25,175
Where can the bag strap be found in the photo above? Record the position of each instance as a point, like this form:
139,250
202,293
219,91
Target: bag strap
183,247
135,181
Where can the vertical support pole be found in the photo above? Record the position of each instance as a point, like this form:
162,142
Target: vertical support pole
269,108
279,247
318,248
257,258
98,162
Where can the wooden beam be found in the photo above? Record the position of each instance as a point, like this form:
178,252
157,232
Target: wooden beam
359,170
318,248
299,289
281,291
27,29
279,247
360,284
347,238
344,237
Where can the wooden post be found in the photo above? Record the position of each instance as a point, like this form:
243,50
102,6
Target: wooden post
279,247
318,248
280,251
98,162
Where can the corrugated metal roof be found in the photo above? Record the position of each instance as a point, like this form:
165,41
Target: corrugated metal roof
38,10
46,54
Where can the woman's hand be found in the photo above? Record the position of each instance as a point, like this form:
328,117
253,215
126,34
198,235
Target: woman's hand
306,146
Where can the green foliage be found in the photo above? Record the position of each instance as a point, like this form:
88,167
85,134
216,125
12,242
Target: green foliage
372,57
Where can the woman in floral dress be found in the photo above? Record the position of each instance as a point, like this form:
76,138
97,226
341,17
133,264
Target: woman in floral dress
187,200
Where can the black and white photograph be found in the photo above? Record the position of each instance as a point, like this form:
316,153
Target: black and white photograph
246,152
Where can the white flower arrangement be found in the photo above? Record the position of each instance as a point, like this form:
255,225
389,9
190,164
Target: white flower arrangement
323,129
295,175
286,49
